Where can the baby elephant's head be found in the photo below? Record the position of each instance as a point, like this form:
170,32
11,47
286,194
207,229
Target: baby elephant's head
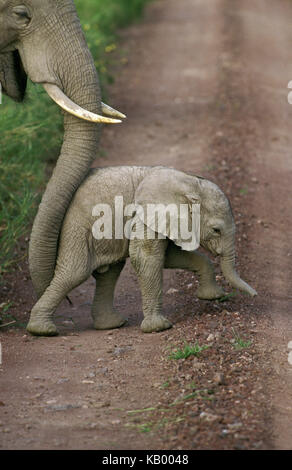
218,232
209,216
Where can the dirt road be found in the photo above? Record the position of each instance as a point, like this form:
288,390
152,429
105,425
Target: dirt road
205,90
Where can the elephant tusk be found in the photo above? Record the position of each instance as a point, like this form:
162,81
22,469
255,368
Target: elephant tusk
68,105
106,109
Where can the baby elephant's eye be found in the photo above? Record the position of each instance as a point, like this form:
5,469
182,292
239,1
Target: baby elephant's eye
216,230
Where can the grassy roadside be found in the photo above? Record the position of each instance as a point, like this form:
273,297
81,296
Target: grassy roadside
31,133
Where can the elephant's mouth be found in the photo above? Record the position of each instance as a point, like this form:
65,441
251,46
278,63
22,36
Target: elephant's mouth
68,105
14,84
13,78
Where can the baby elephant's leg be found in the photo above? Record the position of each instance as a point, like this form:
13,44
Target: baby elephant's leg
198,263
41,318
102,311
147,258
73,267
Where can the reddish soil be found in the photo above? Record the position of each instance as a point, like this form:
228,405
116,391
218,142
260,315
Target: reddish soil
205,90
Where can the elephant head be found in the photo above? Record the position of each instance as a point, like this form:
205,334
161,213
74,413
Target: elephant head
217,227
43,39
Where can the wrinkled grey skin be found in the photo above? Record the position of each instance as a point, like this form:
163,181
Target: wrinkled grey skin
42,39
81,255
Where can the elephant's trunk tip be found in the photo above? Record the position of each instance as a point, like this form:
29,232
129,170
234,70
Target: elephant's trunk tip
233,278
252,292
243,286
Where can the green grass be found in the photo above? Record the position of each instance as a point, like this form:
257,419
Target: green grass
155,426
201,394
31,133
243,191
100,20
187,351
142,410
227,297
6,318
165,384
240,343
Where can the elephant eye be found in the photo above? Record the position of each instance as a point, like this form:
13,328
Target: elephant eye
217,230
21,14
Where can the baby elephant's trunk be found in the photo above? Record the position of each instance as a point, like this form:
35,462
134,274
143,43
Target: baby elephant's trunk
230,274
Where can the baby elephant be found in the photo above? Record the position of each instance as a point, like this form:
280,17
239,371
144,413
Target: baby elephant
157,216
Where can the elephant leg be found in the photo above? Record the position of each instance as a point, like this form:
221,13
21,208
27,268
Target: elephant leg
147,258
200,264
73,267
102,311
41,322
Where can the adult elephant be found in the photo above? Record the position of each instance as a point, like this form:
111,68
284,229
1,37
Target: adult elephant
43,39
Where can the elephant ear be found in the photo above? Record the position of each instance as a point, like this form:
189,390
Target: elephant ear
168,203
12,75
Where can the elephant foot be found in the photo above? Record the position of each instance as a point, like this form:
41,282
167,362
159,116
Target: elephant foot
42,327
210,292
108,321
155,323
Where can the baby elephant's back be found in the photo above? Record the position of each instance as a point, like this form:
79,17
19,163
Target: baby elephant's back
106,186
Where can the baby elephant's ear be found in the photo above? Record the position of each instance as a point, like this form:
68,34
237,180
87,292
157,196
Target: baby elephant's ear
168,204
12,75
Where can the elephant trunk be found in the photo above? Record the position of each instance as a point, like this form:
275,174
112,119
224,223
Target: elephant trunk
229,272
77,77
